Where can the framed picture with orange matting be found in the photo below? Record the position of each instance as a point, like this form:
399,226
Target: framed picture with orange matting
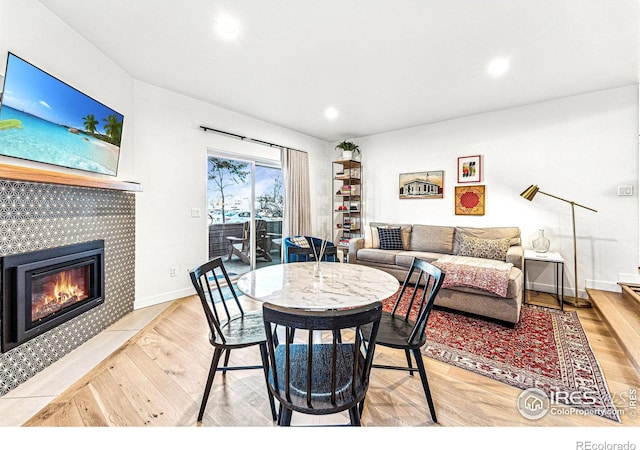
470,200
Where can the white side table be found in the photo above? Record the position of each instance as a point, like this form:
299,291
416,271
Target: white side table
549,257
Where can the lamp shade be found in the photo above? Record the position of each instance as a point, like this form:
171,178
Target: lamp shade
530,192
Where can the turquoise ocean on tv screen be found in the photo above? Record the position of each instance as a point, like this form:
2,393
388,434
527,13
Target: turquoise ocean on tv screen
40,140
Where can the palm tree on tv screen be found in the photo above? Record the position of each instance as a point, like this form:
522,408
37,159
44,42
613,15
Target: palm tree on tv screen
90,123
113,128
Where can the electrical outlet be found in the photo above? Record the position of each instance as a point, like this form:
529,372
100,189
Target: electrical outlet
195,212
625,190
173,271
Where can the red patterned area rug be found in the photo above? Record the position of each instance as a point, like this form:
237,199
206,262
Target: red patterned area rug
548,349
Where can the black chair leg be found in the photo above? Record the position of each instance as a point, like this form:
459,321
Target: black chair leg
207,389
285,417
354,416
409,364
265,365
425,383
361,407
280,409
227,354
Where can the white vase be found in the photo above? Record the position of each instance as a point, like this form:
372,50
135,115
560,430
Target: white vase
347,155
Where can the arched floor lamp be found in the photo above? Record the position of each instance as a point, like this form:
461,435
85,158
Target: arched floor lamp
531,192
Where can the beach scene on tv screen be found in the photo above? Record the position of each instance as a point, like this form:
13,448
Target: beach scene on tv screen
43,119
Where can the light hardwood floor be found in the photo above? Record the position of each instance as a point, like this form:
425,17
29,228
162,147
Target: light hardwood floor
156,379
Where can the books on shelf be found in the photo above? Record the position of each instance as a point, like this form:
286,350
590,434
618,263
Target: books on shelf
350,189
348,173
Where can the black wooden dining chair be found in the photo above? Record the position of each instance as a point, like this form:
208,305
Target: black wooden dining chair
404,327
230,326
327,374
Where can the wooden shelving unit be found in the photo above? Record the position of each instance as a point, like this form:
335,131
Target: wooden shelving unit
20,173
347,203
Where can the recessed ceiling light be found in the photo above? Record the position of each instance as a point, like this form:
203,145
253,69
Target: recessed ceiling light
331,113
498,67
227,27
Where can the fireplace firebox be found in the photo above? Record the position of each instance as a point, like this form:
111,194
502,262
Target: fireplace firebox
45,288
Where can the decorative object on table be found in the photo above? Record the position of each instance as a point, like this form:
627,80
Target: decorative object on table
317,268
541,244
547,349
350,151
529,194
470,200
469,169
422,184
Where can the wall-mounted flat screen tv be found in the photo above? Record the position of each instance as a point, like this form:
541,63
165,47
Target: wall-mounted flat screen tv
44,119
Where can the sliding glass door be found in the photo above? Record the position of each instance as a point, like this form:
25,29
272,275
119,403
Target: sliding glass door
245,209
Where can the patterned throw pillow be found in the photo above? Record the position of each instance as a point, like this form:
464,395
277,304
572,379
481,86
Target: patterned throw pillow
390,239
484,248
300,241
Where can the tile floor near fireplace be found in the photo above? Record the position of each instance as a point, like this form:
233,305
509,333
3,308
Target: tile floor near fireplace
21,403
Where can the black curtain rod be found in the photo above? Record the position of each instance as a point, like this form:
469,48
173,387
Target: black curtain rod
244,138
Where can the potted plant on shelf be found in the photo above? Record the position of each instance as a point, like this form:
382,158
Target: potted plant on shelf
349,150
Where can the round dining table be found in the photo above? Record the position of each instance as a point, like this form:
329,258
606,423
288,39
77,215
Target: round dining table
298,285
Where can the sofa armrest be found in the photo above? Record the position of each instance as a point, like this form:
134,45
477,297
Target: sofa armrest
355,244
515,256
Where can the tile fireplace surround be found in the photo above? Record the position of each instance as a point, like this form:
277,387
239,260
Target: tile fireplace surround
36,216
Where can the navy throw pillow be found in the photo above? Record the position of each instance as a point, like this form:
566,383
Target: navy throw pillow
390,239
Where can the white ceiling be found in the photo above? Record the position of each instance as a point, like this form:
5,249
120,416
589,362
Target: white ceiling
384,64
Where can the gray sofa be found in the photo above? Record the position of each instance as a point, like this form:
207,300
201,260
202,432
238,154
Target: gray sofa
431,242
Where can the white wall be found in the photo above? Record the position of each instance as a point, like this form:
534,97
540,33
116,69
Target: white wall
579,148
170,153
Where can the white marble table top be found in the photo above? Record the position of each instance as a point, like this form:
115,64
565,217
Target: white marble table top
547,256
341,285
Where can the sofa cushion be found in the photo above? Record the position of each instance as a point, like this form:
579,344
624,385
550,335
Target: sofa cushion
390,239
484,248
371,237
405,259
375,255
405,231
432,238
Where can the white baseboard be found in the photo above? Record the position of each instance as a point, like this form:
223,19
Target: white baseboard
631,278
569,292
603,285
162,298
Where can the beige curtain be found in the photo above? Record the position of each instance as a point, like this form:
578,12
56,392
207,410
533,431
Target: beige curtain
297,194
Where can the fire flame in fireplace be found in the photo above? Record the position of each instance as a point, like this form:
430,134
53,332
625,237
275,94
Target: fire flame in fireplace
57,292
66,289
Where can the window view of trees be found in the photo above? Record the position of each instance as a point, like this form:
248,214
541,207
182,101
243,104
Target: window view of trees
229,191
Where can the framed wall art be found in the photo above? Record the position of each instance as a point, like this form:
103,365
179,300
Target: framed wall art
422,184
470,200
469,169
